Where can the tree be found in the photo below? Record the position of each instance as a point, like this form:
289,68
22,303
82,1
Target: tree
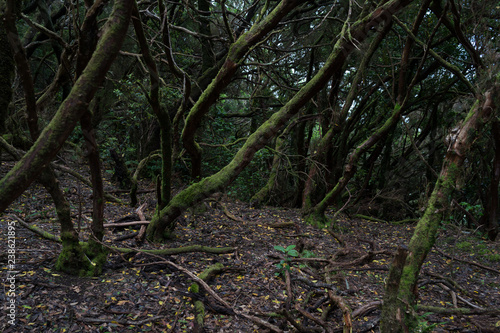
50,140
163,224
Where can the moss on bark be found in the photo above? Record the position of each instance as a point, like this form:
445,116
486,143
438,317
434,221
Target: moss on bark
164,223
56,132
425,232
72,259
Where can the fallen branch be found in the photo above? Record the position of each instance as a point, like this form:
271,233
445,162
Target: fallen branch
346,311
468,262
282,225
458,311
177,250
142,232
370,218
228,214
199,307
37,230
365,309
125,237
209,290
313,318
125,224
169,251
118,321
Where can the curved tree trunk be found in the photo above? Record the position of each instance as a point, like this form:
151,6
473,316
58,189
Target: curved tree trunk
233,61
400,318
72,108
163,224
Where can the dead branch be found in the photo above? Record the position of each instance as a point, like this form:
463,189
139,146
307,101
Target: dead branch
37,230
458,311
125,224
346,311
125,237
468,262
121,322
229,215
365,309
313,318
142,232
282,225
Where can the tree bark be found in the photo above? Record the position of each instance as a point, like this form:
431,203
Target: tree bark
233,61
490,218
425,232
159,110
72,108
163,224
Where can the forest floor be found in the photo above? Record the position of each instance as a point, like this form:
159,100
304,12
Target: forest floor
135,295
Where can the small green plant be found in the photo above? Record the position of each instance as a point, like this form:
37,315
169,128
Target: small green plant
465,246
423,325
285,264
494,257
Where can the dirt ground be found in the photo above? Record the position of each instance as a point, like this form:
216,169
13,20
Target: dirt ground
140,293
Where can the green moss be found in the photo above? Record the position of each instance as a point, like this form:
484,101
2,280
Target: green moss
464,246
317,220
200,312
72,259
97,255
194,288
493,257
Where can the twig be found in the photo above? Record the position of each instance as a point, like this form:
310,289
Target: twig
37,230
125,224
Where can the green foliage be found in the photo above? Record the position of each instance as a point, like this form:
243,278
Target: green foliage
285,264
475,210
423,325
464,246
458,218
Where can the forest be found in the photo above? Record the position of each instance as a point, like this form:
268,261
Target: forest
250,166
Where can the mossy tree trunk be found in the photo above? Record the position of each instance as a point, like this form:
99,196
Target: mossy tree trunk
163,224
48,143
233,61
263,196
340,122
317,216
490,218
159,110
47,176
7,72
87,43
425,232
71,109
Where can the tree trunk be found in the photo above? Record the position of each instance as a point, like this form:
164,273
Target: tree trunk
160,112
87,43
317,216
233,61
163,224
490,218
425,232
72,108
7,72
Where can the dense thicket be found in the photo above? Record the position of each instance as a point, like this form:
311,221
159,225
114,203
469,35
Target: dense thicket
347,105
